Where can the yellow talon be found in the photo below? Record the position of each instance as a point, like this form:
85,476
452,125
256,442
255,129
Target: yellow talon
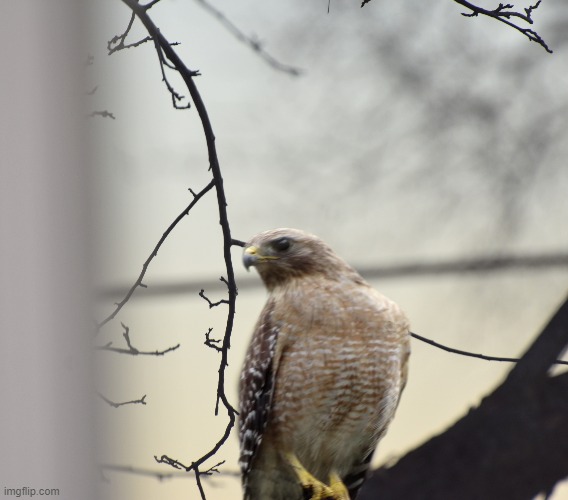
339,489
315,489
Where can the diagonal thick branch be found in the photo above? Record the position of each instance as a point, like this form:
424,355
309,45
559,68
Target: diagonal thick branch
521,426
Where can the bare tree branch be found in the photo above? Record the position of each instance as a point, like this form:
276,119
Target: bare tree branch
478,265
138,282
521,426
212,304
212,343
141,471
139,401
104,113
474,355
541,355
187,75
503,13
168,57
108,347
198,482
436,269
162,476
116,43
176,97
151,4
133,350
251,41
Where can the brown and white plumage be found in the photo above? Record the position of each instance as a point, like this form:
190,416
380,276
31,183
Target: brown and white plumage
323,373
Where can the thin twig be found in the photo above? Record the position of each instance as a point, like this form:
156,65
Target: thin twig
251,41
141,471
139,401
119,350
151,4
153,254
212,343
161,476
503,14
472,354
116,43
133,350
176,98
212,304
214,469
104,114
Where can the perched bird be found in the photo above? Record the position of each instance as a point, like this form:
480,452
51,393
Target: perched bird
323,373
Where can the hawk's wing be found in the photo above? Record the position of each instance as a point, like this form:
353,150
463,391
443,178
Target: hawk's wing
256,388
354,480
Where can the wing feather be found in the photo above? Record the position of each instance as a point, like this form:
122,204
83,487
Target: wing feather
256,388
354,480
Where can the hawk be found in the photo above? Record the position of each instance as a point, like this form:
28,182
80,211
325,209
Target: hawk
322,376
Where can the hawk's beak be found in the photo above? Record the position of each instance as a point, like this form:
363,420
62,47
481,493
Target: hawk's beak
250,256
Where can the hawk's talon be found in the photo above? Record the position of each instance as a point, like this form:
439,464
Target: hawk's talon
322,492
312,488
339,489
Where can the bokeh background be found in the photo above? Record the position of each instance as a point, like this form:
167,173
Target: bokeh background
411,135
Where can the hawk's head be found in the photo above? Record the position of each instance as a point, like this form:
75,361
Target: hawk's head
282,254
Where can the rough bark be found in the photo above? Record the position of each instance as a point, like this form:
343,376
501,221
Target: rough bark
514,445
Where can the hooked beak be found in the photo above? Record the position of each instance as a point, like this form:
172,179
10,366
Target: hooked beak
250,256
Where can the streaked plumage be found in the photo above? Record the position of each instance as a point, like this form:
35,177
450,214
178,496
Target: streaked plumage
323,373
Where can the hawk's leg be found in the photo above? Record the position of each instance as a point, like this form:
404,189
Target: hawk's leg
336,485
313,488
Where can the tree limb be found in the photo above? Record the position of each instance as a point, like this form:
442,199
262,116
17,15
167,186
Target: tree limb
503,13
514,445
252,42
187,75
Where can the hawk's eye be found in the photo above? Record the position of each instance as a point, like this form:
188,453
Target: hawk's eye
281,244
